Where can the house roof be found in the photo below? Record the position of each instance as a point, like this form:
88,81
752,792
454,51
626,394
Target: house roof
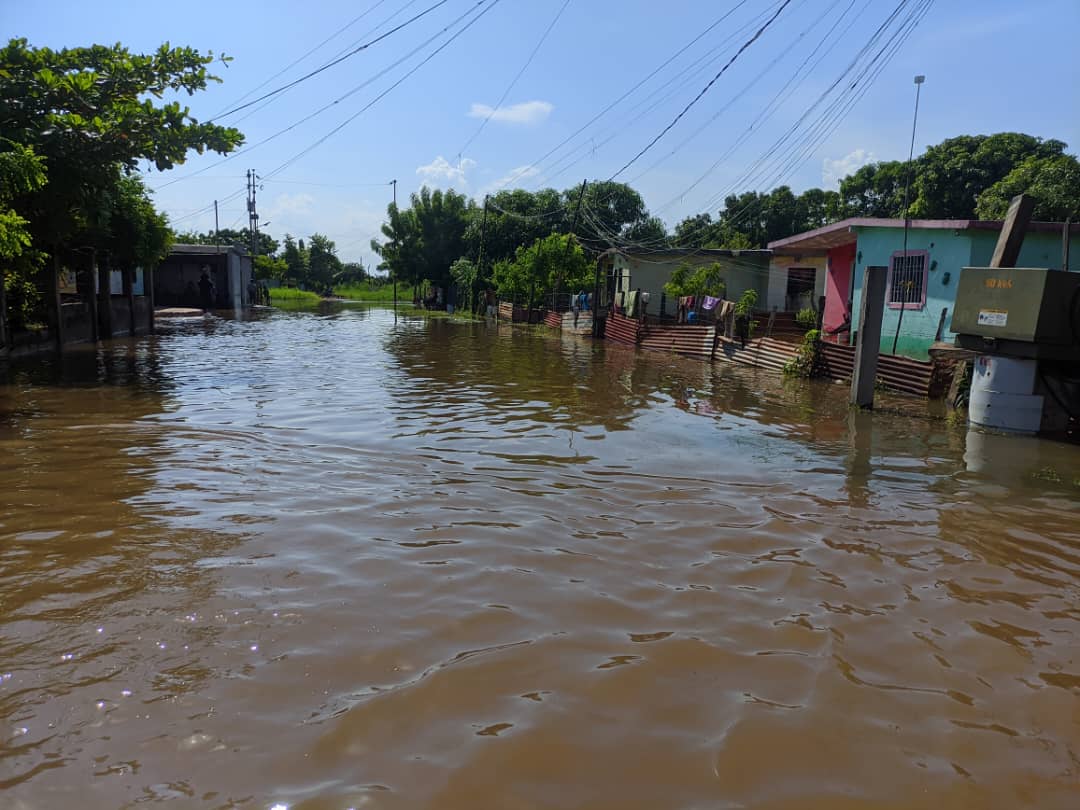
690,252
844,231
205,250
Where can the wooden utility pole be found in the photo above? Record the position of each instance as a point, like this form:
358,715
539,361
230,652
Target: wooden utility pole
871,311
1011,238
569,246
1066,232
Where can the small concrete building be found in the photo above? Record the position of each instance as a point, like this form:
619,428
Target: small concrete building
176,280
649,271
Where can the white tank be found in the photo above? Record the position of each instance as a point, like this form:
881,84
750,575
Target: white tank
1002,395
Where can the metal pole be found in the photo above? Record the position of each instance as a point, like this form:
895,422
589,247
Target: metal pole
394,184
907,219
217,235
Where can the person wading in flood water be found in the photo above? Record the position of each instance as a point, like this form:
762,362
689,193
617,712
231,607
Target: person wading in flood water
206,291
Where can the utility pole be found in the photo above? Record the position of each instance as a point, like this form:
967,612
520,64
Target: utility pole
907,219
480,254
394,184
253,215
569,245
217,230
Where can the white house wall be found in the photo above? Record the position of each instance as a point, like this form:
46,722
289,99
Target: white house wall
778,276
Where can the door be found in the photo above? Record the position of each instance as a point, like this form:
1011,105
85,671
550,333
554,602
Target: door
800,288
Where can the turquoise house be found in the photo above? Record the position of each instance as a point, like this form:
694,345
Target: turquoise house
921,284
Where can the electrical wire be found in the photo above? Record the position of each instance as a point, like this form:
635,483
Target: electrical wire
514,81
353,91
304,56
479,15
704,90
512,178
333,62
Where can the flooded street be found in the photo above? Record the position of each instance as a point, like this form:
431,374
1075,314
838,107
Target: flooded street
337,561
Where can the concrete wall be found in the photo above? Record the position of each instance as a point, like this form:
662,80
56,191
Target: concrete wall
778,279
948,252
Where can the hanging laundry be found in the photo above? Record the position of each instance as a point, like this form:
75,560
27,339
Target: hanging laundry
631,303
710,302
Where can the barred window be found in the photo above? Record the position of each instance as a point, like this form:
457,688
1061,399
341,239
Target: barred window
907,280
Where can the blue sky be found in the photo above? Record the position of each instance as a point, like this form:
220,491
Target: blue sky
990,66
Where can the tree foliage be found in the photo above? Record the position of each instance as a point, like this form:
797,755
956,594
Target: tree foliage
80,121
697,280
1054,182
536,270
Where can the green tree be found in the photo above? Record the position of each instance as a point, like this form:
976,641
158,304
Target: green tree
698,280
1054,182
351,273
93,115
422,242
649,231
536,270
874,190
323,264
295,255
951,175
267,267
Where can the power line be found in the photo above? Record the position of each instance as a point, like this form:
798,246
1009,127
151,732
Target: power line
704,90
698,66
392,87
370,80
304,56
628,93
333,62
514,81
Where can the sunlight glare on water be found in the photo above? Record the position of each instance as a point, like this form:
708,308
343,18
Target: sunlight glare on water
338,559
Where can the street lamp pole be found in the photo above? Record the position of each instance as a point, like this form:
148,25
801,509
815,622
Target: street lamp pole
907,219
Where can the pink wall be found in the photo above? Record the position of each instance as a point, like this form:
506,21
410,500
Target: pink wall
837,290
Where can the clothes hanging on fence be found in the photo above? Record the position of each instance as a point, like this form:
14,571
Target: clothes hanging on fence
710,303
631,303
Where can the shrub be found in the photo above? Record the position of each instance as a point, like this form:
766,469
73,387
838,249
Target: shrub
806,318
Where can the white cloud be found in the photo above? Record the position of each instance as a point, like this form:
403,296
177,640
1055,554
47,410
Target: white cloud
290,205
442,171
527,112
512,179
833,171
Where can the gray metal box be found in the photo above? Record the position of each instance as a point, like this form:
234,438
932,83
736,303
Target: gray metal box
1013,306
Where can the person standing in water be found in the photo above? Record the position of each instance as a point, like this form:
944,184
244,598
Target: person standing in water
206,291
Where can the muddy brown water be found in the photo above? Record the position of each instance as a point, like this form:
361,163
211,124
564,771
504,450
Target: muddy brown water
330,560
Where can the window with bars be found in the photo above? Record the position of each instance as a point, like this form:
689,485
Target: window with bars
907,280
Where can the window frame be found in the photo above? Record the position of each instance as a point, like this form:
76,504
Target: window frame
921,302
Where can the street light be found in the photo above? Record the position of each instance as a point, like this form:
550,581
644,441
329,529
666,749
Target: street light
907,220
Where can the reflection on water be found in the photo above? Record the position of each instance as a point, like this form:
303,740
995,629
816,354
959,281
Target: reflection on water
339,560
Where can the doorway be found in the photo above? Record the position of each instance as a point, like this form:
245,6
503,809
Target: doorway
800,288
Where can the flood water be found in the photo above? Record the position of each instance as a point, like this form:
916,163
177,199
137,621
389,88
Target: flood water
334,560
